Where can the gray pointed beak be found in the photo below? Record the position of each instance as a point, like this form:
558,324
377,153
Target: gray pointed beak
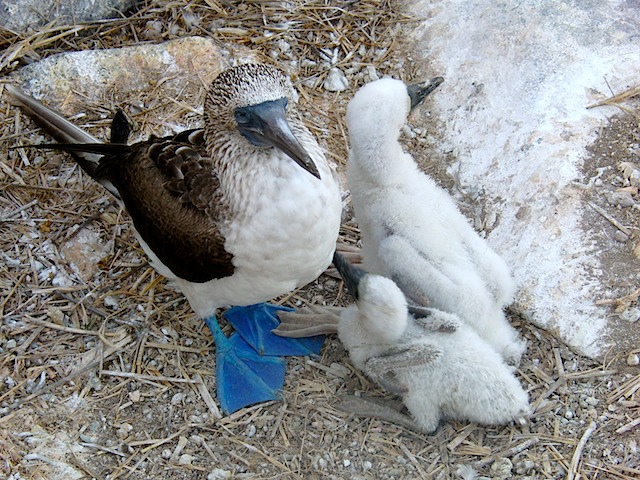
266,124
419,91
350,274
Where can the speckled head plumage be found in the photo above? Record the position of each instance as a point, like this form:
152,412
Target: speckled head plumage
245,85
250,101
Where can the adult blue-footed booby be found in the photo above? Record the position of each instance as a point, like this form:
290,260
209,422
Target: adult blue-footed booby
412,230
439,365
236,213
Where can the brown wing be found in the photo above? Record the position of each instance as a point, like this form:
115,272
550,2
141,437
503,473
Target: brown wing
172,194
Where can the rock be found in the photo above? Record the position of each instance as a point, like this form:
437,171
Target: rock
524,466
512,113
371,74
111,302
631,314
218,474
27,15
622,199
630,173
336,81
135,396
83,251
621,237
178,69
501,469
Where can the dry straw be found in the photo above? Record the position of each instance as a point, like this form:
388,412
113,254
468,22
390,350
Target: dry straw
112,376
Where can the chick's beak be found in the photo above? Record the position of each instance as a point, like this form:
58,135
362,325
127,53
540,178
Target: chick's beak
419,91
350,274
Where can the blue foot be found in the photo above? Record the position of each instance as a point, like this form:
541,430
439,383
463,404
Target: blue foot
243,377
255,322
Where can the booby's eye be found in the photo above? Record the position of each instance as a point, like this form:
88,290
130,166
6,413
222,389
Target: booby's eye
242,116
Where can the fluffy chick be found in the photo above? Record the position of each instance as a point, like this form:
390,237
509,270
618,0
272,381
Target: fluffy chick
412,229
440,366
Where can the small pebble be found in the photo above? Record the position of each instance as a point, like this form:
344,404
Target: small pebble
177,398
56,315
631,314
111,302
135,396
218,474
524,466
11,344
185,459
501,469
371,74
592,401
620,237
124,430
336,81
633,360
620,198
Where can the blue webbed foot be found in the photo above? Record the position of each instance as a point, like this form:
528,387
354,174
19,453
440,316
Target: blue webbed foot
255,322
243,377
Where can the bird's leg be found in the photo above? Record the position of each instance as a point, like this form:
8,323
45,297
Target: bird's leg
243,377
255,324
376,408
308,321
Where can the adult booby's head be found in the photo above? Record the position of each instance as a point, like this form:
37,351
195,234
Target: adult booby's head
381,304
251,100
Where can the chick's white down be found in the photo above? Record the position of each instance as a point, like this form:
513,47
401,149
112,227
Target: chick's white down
451,372
411,228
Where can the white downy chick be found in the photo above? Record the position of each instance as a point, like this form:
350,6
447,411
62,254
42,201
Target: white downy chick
440,366
411,228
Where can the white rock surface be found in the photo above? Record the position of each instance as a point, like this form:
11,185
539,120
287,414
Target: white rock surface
25,15
518,77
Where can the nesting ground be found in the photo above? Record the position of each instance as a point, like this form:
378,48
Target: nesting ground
113,377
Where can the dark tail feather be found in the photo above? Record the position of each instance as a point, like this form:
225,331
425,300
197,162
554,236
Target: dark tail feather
79,148
86,149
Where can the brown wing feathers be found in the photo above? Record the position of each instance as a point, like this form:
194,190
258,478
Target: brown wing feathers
167,186
179,221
